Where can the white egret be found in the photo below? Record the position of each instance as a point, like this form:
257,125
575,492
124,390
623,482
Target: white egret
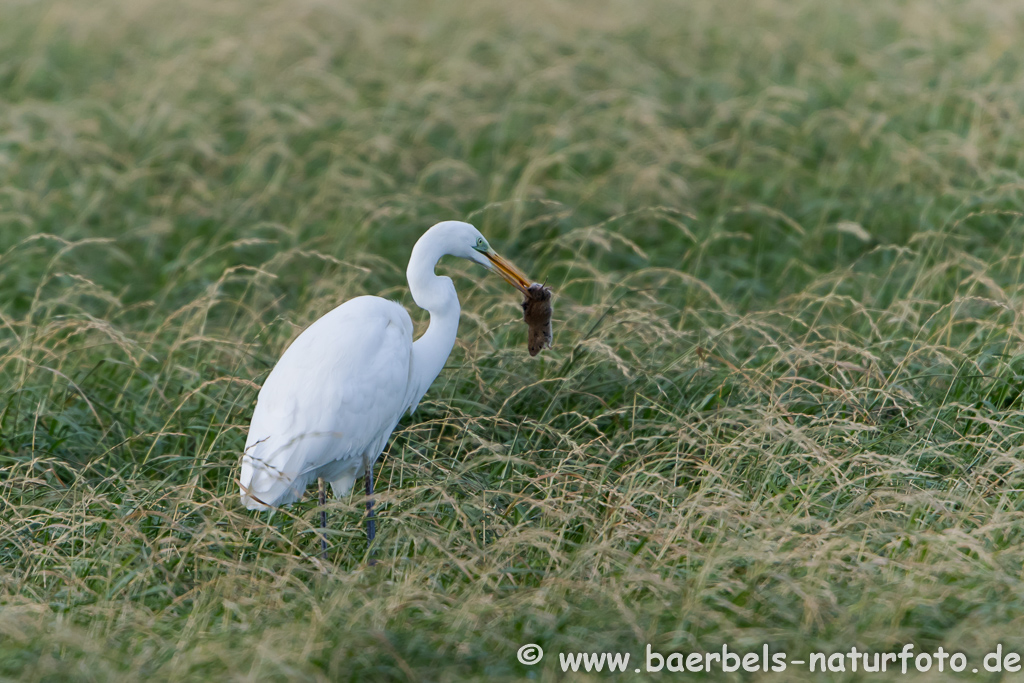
330,404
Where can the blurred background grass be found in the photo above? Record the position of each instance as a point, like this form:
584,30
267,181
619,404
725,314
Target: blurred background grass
784,402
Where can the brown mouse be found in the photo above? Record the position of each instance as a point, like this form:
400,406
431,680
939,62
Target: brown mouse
537,314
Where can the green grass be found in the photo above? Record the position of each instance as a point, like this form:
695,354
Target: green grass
784,405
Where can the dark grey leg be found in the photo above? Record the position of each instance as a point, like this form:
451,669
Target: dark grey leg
371,518
323,519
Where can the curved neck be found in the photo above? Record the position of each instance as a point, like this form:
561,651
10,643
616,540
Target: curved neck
437,295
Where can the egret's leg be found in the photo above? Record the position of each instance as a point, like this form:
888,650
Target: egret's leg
371,521
323,518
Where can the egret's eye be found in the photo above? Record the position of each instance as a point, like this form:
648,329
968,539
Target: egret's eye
481,244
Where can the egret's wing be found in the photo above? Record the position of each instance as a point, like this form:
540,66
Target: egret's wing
340,388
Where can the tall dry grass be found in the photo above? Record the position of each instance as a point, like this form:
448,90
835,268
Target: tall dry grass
784,402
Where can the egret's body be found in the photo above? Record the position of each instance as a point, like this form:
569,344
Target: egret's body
330,404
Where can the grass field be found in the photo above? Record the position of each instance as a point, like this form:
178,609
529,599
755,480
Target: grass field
784,404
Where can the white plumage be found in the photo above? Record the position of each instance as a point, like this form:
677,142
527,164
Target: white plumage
305,427
330,404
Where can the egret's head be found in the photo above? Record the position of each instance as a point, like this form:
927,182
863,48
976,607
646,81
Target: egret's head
465,241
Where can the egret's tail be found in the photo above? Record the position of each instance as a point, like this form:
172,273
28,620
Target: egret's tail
263,486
